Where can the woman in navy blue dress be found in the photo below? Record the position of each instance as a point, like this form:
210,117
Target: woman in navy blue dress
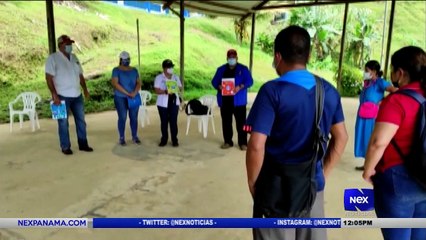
370,97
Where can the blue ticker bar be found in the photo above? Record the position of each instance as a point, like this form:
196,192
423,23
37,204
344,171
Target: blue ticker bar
216,222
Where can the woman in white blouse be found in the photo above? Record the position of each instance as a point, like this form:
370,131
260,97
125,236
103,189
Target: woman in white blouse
167,86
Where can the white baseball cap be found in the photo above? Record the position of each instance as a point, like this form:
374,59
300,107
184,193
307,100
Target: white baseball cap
124,55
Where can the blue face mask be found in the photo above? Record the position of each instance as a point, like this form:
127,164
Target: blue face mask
125,62
68,49
232,61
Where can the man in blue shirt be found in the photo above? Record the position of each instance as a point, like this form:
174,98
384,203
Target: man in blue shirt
234,101
281,122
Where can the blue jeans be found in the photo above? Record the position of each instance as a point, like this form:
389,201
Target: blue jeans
122,107
398,195
169,115
76,106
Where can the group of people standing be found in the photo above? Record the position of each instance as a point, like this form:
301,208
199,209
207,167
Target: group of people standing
288,114
127,84
64,76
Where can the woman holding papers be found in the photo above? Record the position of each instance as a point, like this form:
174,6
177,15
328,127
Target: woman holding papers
167,86
232,81
126,83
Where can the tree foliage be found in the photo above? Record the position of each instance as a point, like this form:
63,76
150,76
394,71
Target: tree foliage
240,28
361,33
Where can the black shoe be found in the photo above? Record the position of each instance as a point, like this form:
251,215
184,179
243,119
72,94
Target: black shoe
226,146
122,142
67,151
86,149
137,141
359,168
162,144
175,144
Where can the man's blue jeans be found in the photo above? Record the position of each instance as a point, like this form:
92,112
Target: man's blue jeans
76,106
397,195
122,107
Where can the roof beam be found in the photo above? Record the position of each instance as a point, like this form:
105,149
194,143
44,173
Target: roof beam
216,4
206,10
259,6
168,3
316,3
174,12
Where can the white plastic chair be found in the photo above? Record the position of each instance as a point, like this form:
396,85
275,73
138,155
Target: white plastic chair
203,120
29,100
143,110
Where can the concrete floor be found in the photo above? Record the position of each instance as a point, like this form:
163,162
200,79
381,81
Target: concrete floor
198,179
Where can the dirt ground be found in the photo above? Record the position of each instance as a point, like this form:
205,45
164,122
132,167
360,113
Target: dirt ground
198,179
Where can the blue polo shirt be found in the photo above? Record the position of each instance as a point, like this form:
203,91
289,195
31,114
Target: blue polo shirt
284,110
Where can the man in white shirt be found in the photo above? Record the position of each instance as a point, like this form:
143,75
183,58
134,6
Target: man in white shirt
167,85
64,76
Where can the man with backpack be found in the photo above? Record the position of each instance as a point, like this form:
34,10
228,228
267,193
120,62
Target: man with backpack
287,157
395,162
231,82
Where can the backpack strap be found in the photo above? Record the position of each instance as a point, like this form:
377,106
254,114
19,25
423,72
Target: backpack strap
319,101
319,108
420,99
398,149
409,92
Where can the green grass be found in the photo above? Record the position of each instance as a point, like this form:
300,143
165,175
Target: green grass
103,30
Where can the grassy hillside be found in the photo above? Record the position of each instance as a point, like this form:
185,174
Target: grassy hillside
102,30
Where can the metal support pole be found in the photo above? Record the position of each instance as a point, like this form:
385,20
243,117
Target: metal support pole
253,25
382,53
342,48
182,44
50,26
392,14
139,49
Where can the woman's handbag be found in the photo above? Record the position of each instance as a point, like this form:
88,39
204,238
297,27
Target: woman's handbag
368,110
134,102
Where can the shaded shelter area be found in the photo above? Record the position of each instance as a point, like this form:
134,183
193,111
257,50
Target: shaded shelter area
240,10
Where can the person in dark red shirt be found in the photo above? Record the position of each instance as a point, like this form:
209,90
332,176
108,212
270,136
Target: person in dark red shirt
396,193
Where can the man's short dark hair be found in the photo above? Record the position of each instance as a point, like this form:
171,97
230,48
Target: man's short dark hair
294,45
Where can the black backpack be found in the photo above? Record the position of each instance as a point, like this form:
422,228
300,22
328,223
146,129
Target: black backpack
289,190
415,161
196,108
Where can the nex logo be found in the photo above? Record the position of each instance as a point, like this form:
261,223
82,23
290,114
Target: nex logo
359,199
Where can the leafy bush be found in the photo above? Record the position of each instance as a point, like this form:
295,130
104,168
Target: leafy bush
327,63
266,43
100,89
351,81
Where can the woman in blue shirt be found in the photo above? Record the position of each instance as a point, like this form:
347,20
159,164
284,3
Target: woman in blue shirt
370,97
126,83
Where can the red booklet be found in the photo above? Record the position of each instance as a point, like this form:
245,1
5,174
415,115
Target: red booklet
228,86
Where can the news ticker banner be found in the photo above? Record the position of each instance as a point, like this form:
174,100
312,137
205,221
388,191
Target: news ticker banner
212,222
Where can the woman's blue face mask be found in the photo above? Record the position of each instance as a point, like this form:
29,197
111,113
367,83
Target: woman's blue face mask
125,62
